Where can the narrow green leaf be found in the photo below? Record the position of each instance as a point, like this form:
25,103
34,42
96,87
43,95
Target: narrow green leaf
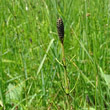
42,62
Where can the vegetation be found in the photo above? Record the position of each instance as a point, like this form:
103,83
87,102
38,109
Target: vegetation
31,68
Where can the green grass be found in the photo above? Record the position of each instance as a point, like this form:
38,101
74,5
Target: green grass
30,54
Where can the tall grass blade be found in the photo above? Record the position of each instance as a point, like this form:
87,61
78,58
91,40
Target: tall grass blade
42,62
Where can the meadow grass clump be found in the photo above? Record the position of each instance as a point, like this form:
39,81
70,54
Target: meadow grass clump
31,73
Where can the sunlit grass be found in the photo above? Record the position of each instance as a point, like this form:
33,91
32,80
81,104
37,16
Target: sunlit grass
30,54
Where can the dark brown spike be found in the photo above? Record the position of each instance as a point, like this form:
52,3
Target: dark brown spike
60,29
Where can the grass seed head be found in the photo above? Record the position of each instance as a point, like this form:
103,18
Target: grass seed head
60,29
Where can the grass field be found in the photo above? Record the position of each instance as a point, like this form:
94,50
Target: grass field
31,71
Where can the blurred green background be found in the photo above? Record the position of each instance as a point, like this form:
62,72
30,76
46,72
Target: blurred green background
31,72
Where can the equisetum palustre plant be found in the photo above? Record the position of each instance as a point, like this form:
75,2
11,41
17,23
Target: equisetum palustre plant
60,29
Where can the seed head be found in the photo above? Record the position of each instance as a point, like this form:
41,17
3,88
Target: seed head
60,29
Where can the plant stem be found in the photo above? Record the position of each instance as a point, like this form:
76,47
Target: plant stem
66,82
68,107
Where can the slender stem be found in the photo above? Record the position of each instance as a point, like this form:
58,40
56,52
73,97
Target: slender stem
67,97
65,71
66,81
88,106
